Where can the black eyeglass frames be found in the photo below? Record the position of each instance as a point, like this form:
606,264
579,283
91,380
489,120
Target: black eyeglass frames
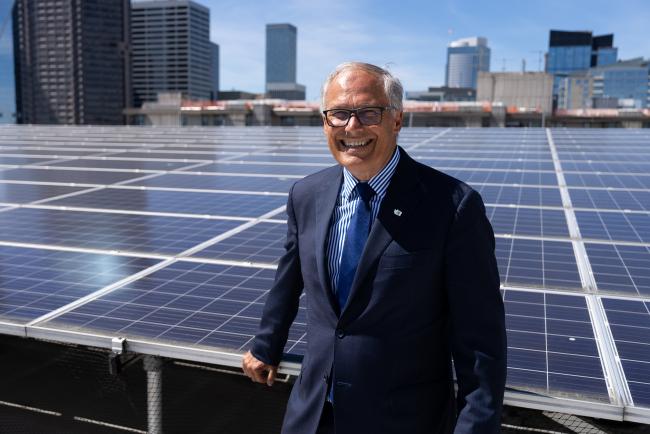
366,115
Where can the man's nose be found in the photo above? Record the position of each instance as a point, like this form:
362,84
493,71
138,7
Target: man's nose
354,122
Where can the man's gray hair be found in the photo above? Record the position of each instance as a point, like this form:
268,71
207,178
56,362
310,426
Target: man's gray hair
392,86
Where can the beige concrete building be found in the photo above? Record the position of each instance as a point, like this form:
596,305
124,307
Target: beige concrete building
520,90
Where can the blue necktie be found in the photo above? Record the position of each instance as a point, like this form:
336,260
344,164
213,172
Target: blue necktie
355,240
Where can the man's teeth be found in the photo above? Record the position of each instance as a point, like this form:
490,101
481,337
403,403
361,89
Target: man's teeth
355,143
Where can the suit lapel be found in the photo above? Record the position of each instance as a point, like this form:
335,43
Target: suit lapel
401,199
325,202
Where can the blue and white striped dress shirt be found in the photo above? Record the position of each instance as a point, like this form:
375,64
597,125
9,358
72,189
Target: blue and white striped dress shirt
346,204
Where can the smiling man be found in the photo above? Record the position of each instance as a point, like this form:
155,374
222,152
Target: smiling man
397,263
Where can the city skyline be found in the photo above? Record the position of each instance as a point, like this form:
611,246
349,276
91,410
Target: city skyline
410,40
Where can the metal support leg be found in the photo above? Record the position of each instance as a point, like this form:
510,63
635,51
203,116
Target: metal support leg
153,366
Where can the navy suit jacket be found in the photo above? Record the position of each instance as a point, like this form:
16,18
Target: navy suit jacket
426,289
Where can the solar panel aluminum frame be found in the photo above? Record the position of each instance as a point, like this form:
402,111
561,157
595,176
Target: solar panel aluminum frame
13,329
203,355
233,359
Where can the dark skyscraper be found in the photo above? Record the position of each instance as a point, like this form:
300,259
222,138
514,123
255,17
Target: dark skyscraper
578,51
171,50
281,42
71,61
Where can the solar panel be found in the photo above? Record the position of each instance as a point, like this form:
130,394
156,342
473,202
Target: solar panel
629,321
123,232
619,180
262,243
67,176
551,345
614,226
26,193
270,169
188,303
537,263
527,221
620,268
219,182
610,199
35,282
236,205
123,164
208,202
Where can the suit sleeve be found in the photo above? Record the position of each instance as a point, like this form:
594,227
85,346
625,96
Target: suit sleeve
477,319
282,302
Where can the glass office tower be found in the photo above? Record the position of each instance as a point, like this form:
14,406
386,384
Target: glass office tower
281,55
465,58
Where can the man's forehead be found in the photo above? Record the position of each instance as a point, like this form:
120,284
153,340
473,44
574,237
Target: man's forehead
355,82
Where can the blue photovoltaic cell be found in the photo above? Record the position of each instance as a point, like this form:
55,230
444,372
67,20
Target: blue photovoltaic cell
35,282
535,263
55,153
527,221
123,164
607,180
481,153
602,157
614,226
262,243
16,161
613,167
68,176
551,345
187,154
620,268
263,169
503,177
488,164
282,158
187,303
27,193
610,199
508,195
132,233
220,182
235,205
629,321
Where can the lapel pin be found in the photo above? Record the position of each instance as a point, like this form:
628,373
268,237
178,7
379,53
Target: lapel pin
397,212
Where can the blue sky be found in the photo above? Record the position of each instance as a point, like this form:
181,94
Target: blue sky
408,36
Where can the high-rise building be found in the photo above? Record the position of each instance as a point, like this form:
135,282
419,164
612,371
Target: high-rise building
575,52
281,42
624,84
578,51
171,49
214,71
71,61
465,58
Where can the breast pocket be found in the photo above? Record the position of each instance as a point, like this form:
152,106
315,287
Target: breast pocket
405,260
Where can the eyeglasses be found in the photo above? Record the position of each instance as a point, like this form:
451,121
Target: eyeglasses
366,116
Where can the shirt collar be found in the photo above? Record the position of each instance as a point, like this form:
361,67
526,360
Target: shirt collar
379,182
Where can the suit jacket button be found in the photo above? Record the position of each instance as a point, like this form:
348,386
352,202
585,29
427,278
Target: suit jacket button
340,333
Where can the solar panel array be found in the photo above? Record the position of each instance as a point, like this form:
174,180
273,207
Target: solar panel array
169,237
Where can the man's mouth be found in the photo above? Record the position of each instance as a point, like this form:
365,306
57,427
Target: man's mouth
354,143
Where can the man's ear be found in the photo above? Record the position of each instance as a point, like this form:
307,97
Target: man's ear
399,117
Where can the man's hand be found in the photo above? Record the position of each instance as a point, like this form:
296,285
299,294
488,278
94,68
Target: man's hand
257,370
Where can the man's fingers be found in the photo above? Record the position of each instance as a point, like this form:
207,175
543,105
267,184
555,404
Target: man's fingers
270,378
257,370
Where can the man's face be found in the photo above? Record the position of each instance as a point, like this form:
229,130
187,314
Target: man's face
363,150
